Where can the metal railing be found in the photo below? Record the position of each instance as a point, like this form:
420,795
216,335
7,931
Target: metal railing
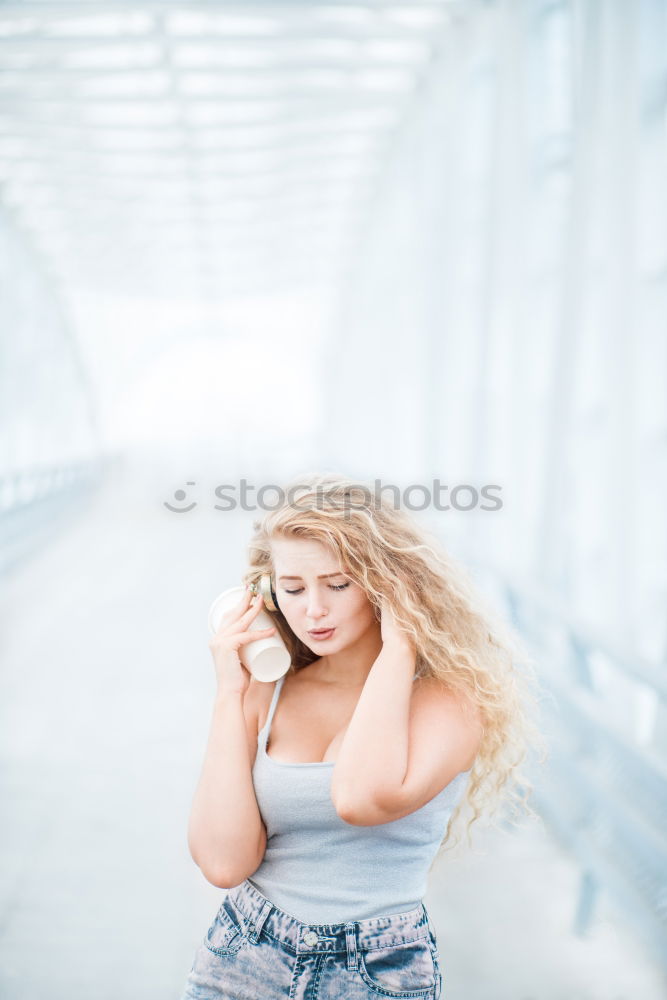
33,503
603,790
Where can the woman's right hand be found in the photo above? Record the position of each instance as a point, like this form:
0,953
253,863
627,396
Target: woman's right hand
233,633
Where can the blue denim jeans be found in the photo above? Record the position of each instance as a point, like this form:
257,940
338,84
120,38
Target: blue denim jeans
255,951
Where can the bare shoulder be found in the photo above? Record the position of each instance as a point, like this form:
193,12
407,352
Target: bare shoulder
429,689
434,705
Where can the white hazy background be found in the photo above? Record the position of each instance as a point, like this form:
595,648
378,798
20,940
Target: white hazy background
401,242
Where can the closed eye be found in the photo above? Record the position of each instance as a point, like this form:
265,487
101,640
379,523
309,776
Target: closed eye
332,586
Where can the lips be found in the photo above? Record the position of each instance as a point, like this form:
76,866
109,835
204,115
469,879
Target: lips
322,633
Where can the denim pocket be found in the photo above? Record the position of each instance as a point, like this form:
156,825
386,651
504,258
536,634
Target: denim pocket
407,969
226,934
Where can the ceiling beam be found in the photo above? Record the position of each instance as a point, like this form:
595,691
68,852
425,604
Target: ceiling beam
353,94
286,35
294,67
237,8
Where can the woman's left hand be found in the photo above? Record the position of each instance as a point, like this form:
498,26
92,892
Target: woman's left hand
389,630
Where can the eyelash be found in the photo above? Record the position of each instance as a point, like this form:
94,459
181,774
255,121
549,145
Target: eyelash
332,586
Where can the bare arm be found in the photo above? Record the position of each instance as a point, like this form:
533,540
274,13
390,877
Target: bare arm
405,741
373,756
226,835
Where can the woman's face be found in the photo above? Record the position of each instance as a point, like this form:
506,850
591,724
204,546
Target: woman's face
314,592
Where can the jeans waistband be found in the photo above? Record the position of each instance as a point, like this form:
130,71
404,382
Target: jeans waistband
373,932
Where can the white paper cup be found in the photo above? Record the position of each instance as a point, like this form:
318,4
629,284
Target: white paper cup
267,658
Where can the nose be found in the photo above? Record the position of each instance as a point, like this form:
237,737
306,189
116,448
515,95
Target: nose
315,608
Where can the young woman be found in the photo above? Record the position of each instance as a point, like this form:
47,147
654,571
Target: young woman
324,796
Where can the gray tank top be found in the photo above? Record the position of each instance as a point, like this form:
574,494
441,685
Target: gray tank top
322,870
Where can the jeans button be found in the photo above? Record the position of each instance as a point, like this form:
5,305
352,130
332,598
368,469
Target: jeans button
310,938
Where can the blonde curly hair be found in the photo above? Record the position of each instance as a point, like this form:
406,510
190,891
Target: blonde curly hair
458,639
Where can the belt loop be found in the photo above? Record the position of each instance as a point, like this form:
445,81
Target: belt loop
351,941
256,923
